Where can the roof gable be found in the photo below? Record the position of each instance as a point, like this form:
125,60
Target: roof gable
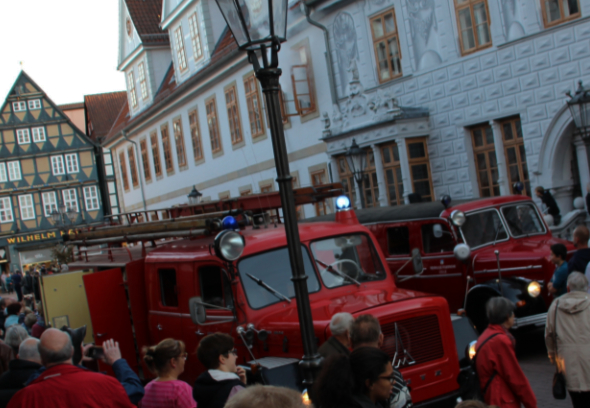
102,111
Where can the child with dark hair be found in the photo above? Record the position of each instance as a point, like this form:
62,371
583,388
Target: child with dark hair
167,360
558,283
223,378
363,379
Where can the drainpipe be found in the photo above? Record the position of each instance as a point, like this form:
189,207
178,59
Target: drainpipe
327,54
136,162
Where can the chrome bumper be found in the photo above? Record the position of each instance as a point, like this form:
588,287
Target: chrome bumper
537,320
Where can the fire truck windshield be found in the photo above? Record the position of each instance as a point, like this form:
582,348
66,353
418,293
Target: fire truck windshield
273,268
523,219
347,260
483,227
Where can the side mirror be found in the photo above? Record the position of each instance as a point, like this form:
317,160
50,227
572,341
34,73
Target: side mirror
437,230
417,262
199,316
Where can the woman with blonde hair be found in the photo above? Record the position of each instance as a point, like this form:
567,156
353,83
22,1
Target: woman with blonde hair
167,360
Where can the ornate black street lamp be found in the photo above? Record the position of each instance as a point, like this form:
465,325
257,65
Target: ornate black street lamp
579,105
59,216
194,197
260,27
357,161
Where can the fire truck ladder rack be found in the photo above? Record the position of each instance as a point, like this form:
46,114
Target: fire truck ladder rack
191,220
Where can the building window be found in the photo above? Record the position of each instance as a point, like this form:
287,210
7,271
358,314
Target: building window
145,160
142,80
167,150
420,168
70,199
386,45
254,107
34,104
3,178
233,115
303,82
559,11
49,203
5,210
133,166
347,180
284,113
131,86
474,25
91,198
179,142
38,134
14,171
246,192
27,207
57,165
318,178
515,155
179,45
193,120
484,151
123,166
193,23
213,125
156,154
23,136
19,106
393,174
72,163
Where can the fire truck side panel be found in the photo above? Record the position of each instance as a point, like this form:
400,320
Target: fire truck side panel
109,312
135,275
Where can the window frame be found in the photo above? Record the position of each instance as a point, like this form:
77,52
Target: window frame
73,158
309,74
27,210
15,164
193,23
41,136
233,114
486,148
131,84
23,136
142,80
548,24
49,204
69,199
57,161
91,195
213,125
193,120
469,4
3,173
123,167
179,48
133,166
394,166
516,143
19,106
35,102
417,161
168,161
254,106
145,160
156,153
385,39
6,214
179,142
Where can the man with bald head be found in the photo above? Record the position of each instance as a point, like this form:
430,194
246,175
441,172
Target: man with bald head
20,369
581,257
63,384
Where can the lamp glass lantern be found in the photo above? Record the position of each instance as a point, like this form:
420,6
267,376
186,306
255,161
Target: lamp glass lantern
194,197
357,160
55,216
72,214
255,22
579,106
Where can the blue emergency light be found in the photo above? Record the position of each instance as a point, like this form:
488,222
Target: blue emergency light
342,203
229,223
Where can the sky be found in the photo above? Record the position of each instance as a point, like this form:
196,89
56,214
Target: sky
68,47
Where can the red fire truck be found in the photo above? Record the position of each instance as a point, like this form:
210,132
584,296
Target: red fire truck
472,250
216,278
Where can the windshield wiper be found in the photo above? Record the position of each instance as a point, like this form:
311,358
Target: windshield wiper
260,282
336,272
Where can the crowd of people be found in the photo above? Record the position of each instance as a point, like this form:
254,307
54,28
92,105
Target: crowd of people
28,283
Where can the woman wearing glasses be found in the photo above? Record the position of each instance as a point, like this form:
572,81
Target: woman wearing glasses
364,379
167,360
223,378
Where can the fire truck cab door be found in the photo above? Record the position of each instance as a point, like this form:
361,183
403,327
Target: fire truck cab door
109,312
164,316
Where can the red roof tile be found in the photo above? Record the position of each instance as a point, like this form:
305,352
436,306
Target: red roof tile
168,85
121,121
70,106
102,111
224,46
146,16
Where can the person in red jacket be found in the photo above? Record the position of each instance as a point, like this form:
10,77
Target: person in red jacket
496,360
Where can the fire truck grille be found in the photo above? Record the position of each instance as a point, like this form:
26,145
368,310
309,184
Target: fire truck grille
419,336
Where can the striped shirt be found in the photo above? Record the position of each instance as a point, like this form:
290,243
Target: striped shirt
168,394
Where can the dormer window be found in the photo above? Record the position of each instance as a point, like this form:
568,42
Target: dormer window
142,81
34,104
193,23
131,86
19,106
179,46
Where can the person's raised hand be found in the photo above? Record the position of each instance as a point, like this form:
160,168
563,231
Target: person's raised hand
112,352
242,374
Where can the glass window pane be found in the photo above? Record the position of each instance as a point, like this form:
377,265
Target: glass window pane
468,39
511,155
422,188
483,34
398,240
481,161
507,128
484,179
394,54
395,151
416,150
518,129
492,159
522,153
377,28
489,136
552,10
389,176
420,172
386,156
477,138
389,23
514,176
570,7
494,176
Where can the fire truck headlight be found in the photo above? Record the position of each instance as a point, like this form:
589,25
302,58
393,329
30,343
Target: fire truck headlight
471,350
229,245
342,203
458,218
534,289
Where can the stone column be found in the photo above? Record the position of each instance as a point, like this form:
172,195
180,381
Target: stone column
503,179
380,176
405,167
583,165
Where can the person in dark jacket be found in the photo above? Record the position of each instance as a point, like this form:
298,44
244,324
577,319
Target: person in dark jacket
581,257
339,343
549,201
17,279
364,379
19,370
496,363
223,378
